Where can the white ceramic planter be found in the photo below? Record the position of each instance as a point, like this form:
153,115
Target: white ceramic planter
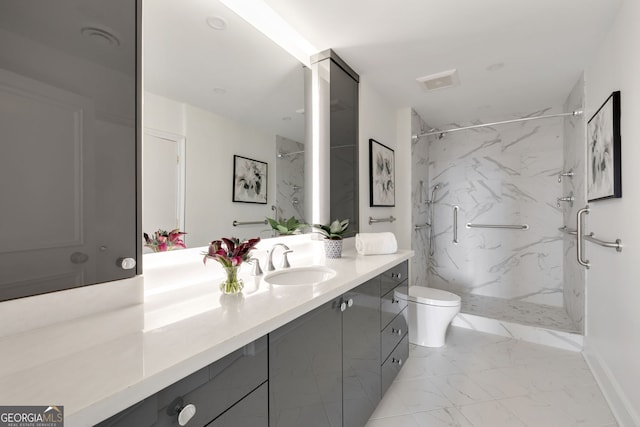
333,248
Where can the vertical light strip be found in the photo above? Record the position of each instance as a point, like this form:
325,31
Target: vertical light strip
266,20
315,145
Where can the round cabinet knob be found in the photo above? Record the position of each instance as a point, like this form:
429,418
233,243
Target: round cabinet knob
126,263
396,361
185,415
394,301
343,306
350,302
396,275
396,331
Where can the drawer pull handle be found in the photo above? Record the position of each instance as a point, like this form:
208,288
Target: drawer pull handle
186,414
394,301
396,331
396,275
396,361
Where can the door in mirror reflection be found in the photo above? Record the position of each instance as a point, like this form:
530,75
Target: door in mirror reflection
68,126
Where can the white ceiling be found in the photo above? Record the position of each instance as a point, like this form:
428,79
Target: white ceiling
544,45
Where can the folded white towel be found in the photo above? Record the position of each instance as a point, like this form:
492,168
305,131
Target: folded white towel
376,243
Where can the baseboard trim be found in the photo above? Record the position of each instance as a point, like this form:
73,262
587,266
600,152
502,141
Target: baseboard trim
625,414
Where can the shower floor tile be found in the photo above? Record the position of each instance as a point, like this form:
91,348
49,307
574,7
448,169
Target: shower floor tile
521,312
480,379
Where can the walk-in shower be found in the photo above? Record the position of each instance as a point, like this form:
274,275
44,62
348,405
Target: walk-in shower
497,179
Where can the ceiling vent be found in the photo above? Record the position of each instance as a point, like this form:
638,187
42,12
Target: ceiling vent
441,80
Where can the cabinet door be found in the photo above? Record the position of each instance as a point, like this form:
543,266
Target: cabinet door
305,370
252,411
361,353
68,123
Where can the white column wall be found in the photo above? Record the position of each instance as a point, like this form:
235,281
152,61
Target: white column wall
613,289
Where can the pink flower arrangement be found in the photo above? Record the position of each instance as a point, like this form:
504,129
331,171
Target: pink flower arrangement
230,252
163,241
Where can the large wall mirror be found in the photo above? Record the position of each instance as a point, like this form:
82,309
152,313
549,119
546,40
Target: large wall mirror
215,88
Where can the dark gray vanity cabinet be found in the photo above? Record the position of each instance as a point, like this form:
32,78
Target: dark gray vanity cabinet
305,370
394,329
69,110
361,385
231,391
325,367
252,411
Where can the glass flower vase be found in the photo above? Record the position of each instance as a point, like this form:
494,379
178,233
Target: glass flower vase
233,285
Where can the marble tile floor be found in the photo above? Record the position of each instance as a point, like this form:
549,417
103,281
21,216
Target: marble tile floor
484,380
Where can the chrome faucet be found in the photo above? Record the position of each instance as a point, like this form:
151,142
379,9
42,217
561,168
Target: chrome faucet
256,270
285,260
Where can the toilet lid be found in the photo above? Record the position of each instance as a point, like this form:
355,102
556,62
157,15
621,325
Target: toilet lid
431,296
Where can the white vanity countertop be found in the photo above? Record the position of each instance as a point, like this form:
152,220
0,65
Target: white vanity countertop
101,364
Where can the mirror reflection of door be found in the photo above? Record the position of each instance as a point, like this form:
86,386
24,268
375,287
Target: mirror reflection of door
43,171
163,180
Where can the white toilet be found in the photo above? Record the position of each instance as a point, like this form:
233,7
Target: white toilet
430,312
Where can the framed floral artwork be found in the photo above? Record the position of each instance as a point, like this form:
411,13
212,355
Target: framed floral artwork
249,180
604,175
382,190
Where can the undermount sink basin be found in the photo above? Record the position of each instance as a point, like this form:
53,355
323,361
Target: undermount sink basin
300,276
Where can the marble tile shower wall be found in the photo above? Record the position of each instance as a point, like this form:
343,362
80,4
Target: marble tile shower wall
420,193
502,175
290,178
575,150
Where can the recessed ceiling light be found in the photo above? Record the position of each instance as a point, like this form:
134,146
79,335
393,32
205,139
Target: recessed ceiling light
441,80
495,67
217,22
219,90
102,36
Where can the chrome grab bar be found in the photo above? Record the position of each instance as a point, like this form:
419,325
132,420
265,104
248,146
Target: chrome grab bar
455,224
617,244
421,226
237,223
376,220
507,226
580,236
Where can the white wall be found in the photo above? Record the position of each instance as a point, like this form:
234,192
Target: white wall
211,142
391,127
613,292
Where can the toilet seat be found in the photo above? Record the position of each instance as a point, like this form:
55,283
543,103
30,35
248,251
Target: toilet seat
430,296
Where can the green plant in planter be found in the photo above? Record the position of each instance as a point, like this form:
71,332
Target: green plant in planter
333,231
286,227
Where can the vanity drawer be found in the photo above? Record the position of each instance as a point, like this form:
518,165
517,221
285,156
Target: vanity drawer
391,305
227,381
212,390
393,334
394,363
394,276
